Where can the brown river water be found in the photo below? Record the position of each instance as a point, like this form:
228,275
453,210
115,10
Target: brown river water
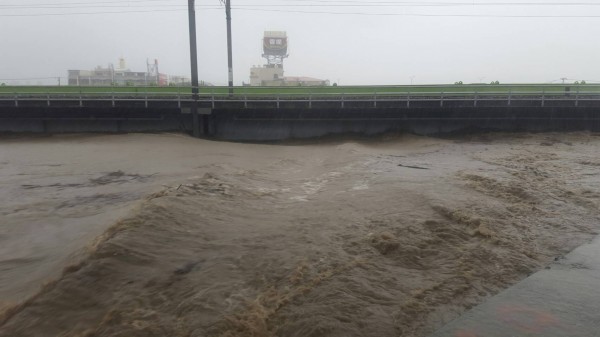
166,235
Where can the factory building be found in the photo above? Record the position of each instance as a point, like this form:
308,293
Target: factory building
275,50
123,76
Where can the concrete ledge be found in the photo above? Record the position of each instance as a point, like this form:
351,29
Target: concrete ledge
557,302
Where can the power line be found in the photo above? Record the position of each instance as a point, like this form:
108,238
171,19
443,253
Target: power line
100,12
99,6
254,7
418,4
419,14
315,12
304,3
319,3
363,2
83,3
438,3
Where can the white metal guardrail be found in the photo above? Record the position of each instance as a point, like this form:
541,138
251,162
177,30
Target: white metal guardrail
503,98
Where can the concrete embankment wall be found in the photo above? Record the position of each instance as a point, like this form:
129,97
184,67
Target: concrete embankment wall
274,124
70,120
279,124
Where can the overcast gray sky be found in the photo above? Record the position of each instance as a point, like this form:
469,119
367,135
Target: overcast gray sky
350,41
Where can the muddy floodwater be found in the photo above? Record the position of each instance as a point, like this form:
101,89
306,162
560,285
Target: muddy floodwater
166,235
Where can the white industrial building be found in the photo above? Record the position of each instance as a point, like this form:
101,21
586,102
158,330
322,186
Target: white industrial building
123,76
267,75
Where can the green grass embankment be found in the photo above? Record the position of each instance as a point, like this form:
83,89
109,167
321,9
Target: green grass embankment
333,90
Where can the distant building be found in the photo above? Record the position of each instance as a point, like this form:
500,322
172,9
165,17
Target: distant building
304,81
267,75
275,50
181,81
122,76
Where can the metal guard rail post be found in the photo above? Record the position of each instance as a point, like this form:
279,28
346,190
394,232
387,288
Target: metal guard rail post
544,97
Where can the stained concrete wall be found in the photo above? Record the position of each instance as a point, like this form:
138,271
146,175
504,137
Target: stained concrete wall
274,124
295,123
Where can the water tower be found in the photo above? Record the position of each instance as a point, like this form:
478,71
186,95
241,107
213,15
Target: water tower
275,45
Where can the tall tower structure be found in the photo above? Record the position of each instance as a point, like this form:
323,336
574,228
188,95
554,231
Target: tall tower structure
275,45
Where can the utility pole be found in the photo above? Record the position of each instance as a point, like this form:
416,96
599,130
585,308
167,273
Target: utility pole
229,52
194,65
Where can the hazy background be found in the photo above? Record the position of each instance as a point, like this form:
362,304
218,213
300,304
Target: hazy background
379,42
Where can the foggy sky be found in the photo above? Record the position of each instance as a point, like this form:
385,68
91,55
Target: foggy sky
349,49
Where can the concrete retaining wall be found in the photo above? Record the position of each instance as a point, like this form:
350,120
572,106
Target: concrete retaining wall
278,124
287,124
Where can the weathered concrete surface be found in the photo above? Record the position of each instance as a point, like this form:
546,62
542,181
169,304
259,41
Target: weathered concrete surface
273,124
561,301
270,124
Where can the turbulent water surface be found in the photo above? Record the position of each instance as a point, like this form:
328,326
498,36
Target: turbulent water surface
165,235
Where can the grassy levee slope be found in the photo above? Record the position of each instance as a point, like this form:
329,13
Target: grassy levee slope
449,89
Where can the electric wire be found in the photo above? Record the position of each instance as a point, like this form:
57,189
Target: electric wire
421,14
312,3
312,12
98,7
252,5
142,4
82,3
98,12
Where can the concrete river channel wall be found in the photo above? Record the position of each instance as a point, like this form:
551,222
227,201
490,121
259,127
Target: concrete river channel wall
265,117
